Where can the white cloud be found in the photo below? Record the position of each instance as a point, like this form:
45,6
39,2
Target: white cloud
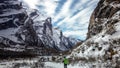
80,33
66,7
63,21
65,10
82,17
50,7
75,23
81,14
32,3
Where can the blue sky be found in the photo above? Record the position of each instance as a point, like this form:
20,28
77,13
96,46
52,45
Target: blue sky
70,16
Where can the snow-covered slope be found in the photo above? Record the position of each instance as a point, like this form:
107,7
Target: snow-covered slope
102,48
53,37
12,16
21,32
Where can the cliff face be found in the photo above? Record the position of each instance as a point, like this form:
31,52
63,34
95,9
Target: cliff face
16,29
102,46
20,33
52,37
102,17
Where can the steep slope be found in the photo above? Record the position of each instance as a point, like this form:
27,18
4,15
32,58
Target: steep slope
16,30
53,37
21,35
102,48
11,13
103,17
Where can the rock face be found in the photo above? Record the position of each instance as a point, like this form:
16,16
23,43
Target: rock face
105,11
20,34
52,37
102,46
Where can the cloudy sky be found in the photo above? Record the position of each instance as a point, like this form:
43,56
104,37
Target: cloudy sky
70,16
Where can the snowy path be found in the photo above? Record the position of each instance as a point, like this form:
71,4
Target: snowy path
61,65
34,63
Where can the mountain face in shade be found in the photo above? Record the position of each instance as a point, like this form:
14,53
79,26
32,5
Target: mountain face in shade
102,46
20,34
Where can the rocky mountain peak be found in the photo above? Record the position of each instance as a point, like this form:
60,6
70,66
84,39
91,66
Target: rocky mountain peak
21,34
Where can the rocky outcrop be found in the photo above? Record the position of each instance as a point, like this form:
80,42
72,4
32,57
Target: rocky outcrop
102,46
105,10
16,30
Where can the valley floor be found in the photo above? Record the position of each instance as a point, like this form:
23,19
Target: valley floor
36,63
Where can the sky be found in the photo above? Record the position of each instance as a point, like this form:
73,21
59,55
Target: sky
70,16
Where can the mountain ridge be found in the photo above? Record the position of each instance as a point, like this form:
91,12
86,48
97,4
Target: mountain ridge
20,33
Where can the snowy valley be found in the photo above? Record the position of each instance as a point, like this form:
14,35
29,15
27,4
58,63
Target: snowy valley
21,35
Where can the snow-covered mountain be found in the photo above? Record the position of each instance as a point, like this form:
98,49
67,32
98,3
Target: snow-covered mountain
20,33
53,37
102,47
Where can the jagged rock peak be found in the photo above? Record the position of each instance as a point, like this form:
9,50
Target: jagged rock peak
19,32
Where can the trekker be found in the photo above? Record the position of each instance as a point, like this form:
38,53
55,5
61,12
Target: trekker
66,62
